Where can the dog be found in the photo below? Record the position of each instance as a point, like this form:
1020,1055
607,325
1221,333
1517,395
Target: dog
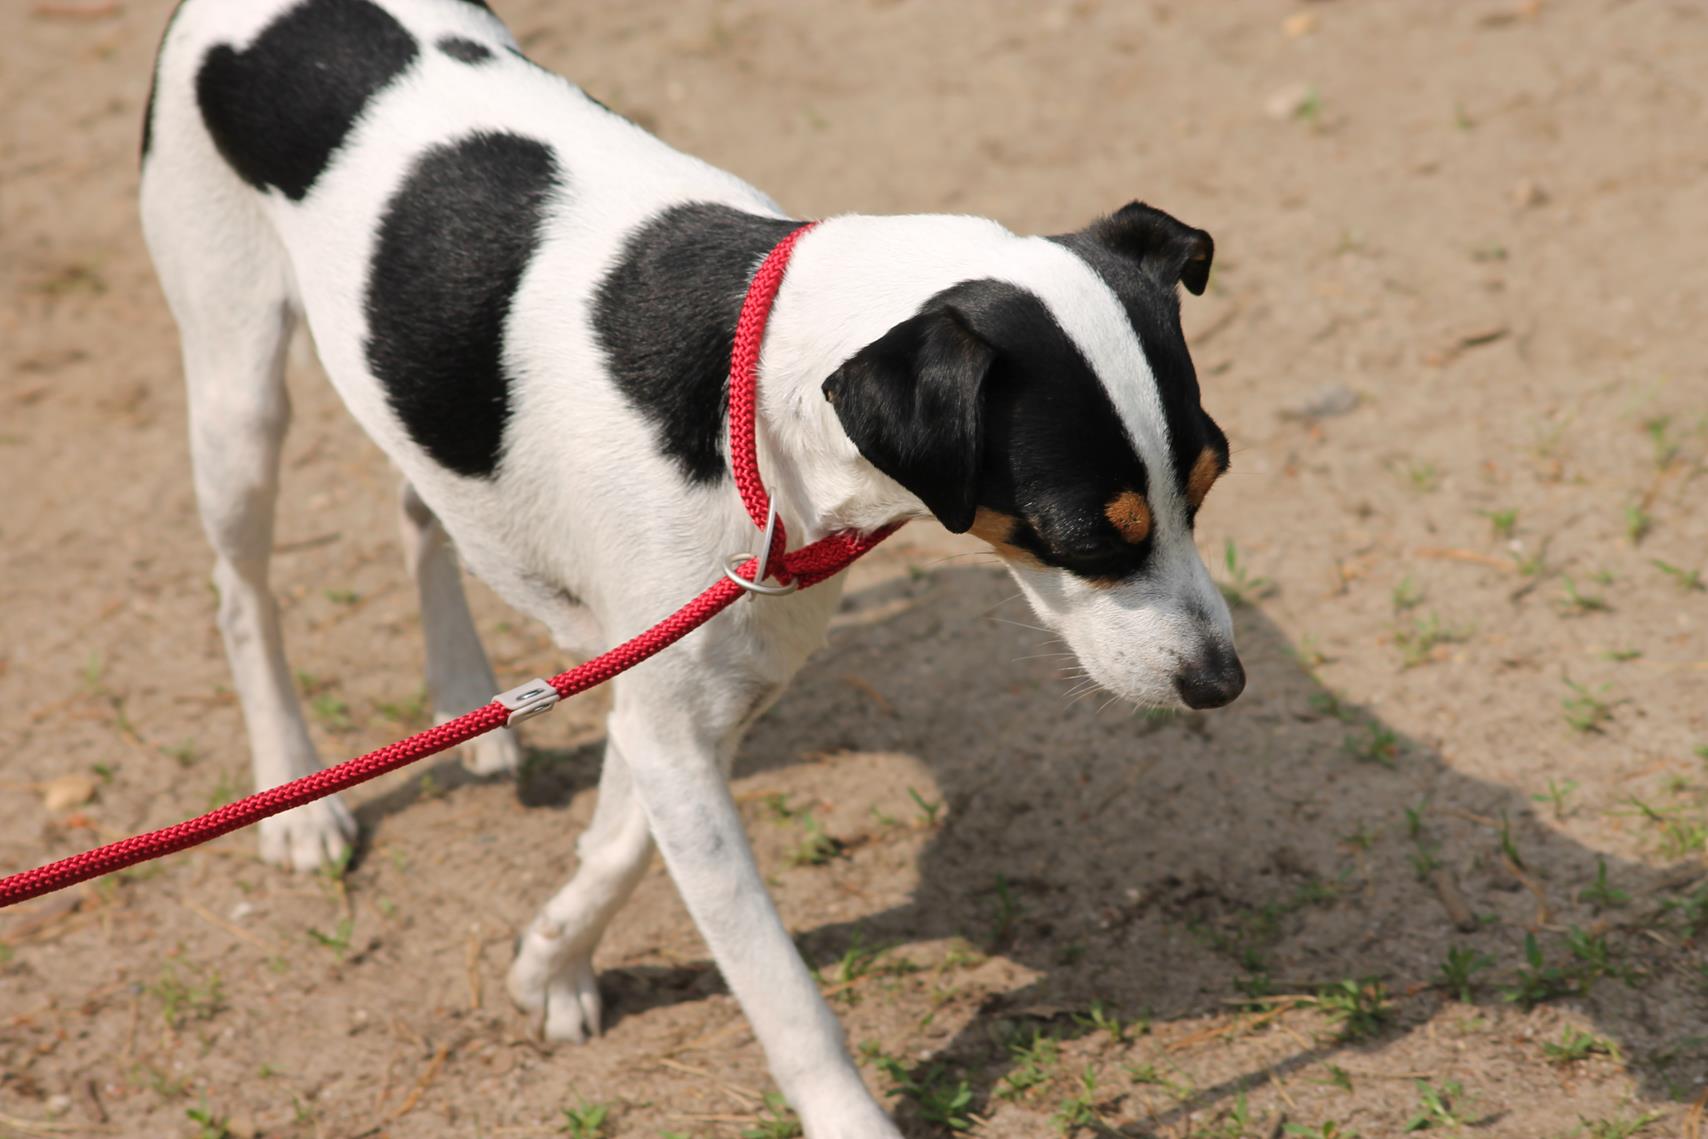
528,302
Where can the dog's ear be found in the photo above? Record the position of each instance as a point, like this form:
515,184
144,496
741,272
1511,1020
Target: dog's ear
1165,247
913,403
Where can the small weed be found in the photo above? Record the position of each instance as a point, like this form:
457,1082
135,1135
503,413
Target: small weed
1377,744
1504,523
1586,711
1576,602
1310,109
817,847
342,596
1622,656
586,1121
1034,1064
1338,1077
1618,1128
180,1001
339,939
1328,1129
938,1098
410,713
1079,1110
1438,1107
1459,967
187,753
332,713
1423,477
1407,595
1241,588
1690,581
1102,1020
1601,892
1359,1007
1539,981
208,1125
774,1121
1557,794
1508,846
1418,644
1665,449
1638,523
928,809
1575,1046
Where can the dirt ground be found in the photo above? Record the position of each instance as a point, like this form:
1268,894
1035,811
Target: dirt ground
1441,867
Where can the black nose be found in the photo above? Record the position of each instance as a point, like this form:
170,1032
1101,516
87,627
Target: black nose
1214,679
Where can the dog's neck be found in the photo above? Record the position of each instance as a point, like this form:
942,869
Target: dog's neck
851,279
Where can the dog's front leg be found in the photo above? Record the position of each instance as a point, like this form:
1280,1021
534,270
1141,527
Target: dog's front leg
674,765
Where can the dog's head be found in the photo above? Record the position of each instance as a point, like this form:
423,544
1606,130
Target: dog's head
1053,411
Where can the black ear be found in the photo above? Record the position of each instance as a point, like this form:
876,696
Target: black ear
913,403
1165,247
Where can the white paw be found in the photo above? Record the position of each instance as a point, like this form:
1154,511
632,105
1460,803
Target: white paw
564,1002
495,753
308,837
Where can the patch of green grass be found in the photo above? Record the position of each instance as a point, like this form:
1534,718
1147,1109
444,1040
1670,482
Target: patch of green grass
208,1125
1575,1046
1618,1127
1328,1129
817,846
182,1000
1418,644
1422,477
937,1096
1361,1008
1376,744
410,713
1080,1109
1657,428
339,939
342,596
1689,580
1557,794
1458,968
1538,981
928,809
1601,892
1586,711
187,754
774,1121
1504,523
331,712
586,1120
1638,523
1241,588
1035,1063
1439,1107
1407,595
1576,602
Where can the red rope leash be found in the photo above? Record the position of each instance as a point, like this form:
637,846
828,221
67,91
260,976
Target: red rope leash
808,565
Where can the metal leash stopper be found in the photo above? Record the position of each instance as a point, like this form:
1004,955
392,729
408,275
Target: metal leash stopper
758,585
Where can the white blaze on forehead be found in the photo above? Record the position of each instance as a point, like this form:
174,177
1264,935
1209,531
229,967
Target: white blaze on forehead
1087,309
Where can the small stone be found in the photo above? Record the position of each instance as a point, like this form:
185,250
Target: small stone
1289,100
67,791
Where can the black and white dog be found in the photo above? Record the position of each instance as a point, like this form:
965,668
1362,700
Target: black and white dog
528,302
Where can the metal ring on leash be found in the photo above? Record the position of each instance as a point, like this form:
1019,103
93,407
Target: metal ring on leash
757,585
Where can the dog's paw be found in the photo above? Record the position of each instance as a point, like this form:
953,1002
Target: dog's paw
308,837
564,1005
495,753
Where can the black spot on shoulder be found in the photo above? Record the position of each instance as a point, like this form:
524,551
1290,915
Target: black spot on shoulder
279,108
455,241
463,49
665,317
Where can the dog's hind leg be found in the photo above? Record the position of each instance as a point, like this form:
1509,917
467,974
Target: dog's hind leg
552,976
229,284
458,675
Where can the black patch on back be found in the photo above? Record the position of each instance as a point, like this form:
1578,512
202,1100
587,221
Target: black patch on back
463,49
279,108
665,317
1153,310
455,241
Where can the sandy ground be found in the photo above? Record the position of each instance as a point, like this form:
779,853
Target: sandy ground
1454,333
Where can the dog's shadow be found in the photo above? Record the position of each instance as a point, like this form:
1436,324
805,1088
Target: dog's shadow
1166,868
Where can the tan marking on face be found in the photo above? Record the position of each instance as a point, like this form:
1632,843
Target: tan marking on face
998,528
1205,472
1130,515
